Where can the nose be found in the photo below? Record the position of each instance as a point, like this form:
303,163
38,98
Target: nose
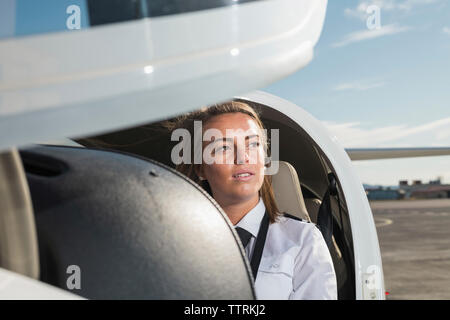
242,156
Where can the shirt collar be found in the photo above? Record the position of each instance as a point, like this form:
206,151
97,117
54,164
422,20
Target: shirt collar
252,220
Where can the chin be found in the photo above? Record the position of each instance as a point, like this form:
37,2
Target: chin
245,193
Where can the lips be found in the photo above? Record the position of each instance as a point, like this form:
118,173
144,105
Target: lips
243,175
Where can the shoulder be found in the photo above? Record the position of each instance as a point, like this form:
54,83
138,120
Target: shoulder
307,236
290,220
294,228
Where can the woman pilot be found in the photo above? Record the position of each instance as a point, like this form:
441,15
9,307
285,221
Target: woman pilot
289,257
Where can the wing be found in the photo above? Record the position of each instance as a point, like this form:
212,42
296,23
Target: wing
390,153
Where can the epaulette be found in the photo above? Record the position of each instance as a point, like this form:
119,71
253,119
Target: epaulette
287,215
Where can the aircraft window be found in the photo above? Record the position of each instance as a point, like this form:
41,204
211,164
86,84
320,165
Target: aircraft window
18,21
107,11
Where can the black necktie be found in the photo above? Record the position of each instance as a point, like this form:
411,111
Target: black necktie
244,235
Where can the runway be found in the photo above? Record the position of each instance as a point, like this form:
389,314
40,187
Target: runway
414,238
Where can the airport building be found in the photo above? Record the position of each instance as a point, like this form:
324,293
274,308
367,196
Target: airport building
434,189
418,190
382,193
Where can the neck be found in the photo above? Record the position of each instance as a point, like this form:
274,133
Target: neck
237,210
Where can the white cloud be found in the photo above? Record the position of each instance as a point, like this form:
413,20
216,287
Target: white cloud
370,34
443,134
446,30
360,11
359,86
353,135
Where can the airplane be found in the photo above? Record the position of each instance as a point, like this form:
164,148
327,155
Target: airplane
91,206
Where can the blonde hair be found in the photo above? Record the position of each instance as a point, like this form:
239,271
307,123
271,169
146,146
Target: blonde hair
205,114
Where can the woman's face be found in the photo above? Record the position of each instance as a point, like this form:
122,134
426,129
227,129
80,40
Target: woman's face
235,148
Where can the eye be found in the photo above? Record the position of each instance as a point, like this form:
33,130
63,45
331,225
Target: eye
254,144
222,148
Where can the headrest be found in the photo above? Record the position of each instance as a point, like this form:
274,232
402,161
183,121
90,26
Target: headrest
287,191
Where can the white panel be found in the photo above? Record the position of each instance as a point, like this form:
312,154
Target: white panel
17,287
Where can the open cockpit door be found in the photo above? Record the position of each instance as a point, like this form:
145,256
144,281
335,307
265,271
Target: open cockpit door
307,155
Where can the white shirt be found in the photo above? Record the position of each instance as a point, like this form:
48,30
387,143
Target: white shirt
295,264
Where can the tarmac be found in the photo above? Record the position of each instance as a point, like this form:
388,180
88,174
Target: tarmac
414,237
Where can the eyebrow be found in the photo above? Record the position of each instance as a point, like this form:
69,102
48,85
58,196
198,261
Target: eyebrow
252,136
231,139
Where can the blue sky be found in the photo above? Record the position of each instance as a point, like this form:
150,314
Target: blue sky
26,17
382,88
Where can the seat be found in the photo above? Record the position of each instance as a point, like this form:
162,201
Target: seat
18,240
313,206
288,193
289,198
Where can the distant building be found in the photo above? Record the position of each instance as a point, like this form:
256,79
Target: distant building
434,189
382,194
437,181
403,183
432,192
418,190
